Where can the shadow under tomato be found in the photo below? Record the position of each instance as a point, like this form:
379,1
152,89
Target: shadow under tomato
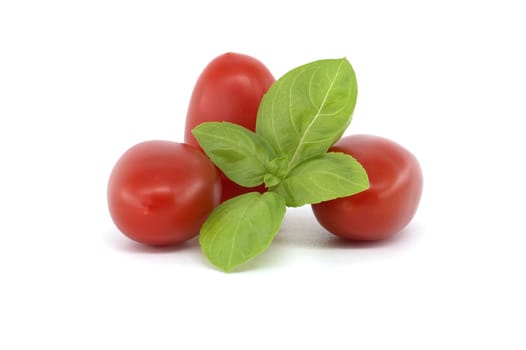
397,239
118,241
301,231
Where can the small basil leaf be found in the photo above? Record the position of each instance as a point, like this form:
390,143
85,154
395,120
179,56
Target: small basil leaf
241,228
322,178
279,166
238,152
271,180
308,109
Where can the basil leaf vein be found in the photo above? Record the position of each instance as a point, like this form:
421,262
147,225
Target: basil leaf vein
308,109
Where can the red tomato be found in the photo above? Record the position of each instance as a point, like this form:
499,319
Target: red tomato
391,201
161,192
229,89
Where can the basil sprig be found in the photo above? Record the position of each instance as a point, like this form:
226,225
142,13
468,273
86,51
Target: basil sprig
301,116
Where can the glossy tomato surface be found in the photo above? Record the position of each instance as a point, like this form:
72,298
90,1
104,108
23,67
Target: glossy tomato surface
161,192
230,89
395,179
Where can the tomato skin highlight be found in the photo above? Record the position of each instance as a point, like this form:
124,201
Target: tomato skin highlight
161,192
390,203
230,88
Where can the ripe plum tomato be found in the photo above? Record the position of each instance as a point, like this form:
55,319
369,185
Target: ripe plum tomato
161,192
230,89
395,179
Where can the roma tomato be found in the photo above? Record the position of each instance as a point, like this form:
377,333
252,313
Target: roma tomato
395,179
229,89
161,192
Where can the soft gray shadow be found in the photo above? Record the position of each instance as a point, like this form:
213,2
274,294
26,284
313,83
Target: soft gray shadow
398,239
298,230
302,230
118,241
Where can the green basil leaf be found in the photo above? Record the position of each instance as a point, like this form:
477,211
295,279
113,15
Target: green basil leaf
277,168
241,228
308,109
322,178
239,153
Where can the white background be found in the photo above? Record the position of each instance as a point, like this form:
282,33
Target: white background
81,81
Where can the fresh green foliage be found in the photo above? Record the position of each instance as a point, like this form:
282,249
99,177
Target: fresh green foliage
322,178
302,115
238,152
241,228
278,169
308,109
